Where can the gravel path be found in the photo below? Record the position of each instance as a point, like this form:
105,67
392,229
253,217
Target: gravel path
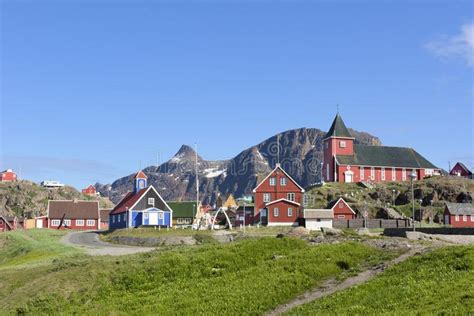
92,245
331,286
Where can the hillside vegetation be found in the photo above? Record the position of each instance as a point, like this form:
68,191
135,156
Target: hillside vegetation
440,283
430,195
26,198
207,279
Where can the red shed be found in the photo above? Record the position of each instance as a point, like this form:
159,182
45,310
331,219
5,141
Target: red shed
278,199
342,210
8,176
459,214
460,170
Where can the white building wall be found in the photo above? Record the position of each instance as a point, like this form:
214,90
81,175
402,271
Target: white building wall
313,224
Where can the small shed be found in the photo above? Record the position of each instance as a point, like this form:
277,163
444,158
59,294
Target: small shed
315,219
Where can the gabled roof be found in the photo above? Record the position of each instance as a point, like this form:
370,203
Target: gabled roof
385,156
282,200
338,129
333,204
460,208
73,209
278,166
104,214
128,200
140,175
463,166
183,209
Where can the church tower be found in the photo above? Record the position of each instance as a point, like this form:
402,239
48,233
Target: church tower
337,142
140,181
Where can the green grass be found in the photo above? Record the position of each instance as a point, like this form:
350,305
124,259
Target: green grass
441,282
151,232
208,279
32,247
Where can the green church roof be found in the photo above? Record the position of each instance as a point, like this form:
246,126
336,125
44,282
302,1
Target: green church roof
384,156
183,209
338,128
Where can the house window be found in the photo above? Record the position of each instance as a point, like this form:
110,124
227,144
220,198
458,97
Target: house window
160,215
414,172
362,171
404,174
464,218
55,222
276,212
372,173
394,174
146,215
113,218
327,145
272,181
90,222
342,144
151,201
188,221
180,220
290,197
79,222
383,174
456,218
67,222
290,212
327,172
283,181
341,205
266,197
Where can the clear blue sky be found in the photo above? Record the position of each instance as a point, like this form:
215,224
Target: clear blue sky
89,89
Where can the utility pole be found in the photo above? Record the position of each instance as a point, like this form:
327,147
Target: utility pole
197,178
412,178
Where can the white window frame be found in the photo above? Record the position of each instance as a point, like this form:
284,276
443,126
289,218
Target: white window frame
341,205
276,212
362,173
146,215
151,201
327,172
113,218
291,196
283,181
55,222
404,174
90,222
67,222
161,215
394,174
415,173
464,218
341,216
327,145
290,212
383,174
472,218
372,173
188,220
342,144
456,218
267,197
272,181
180,221
79,222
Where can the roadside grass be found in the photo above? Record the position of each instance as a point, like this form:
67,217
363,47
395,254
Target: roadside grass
246,277
441,282
32,247
151,232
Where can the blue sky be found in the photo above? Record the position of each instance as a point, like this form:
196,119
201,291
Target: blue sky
91,90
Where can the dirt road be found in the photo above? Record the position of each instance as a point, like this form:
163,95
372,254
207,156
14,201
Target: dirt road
92,245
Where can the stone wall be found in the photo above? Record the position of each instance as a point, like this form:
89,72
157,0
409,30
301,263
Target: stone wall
370,223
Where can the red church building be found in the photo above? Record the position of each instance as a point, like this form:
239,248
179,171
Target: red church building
8,176
460,170
346,161
278,199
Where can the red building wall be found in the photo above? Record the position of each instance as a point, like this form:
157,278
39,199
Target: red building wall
276,192
460,222
8,176
3,226
73,225
90,190
378,174
283,213
459,171
342,210
331,147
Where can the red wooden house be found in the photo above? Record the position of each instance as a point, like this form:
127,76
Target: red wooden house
90,190
77,215
8,176
460,170
459,214
278,199
346,161
342,210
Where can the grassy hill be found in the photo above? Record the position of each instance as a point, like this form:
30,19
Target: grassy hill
26,198
430,195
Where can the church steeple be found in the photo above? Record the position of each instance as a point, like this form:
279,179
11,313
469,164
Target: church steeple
338,129
139,181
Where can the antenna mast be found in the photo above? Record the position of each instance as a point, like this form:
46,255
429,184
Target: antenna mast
278,149
197,179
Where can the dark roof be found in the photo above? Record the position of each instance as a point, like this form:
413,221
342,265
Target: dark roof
338,128
384,156
183,209
460,208
128,201
104,214
73,209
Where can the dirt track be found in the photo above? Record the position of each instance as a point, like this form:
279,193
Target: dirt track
92,245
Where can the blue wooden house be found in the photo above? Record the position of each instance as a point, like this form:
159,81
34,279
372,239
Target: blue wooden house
144,206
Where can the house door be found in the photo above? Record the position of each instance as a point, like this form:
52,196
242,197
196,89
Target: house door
446,220
153,218
264,216
348,177
39,223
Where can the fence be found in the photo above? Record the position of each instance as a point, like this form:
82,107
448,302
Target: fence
371,223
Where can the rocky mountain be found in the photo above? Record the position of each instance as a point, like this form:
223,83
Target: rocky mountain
300,152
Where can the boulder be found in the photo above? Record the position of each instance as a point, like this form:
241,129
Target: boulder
331,231
298,232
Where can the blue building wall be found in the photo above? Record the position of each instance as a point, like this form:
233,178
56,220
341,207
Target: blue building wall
117,224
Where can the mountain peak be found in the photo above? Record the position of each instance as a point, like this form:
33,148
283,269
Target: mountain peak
185,150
